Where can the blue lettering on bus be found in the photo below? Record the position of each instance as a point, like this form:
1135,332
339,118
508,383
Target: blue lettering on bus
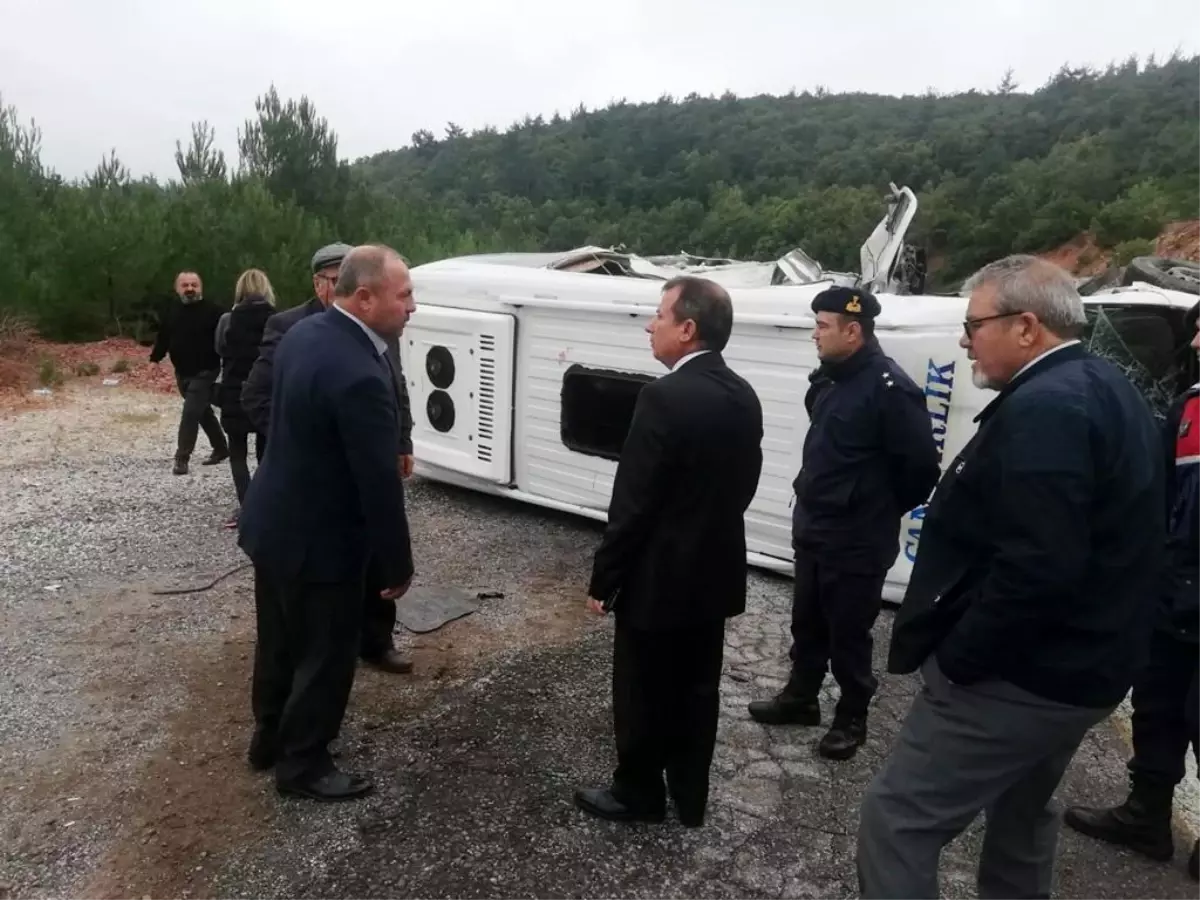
939,388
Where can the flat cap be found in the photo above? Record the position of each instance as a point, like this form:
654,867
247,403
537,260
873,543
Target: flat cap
847,301
330,255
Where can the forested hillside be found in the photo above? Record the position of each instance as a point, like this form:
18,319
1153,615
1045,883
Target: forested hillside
1114,152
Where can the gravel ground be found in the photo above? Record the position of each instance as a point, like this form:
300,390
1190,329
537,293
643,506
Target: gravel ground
125,713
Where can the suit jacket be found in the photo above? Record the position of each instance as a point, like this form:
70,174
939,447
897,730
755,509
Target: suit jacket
328,492
674,551
256,390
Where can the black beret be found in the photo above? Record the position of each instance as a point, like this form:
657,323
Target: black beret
847,301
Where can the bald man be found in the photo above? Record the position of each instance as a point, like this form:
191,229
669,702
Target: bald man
187,333
327,497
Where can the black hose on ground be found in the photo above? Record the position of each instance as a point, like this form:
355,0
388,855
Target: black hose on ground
196,590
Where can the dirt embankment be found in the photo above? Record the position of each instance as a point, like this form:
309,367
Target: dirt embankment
33,370
1083,257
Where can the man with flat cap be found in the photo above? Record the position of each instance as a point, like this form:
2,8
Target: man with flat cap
377,647
869,456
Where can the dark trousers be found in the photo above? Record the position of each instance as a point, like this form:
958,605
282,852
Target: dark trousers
833,612
989,747
304,661
1165,712
379,616
198,395
239,452
666,699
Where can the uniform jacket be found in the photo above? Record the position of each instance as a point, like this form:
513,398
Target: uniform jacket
328,492
186,333
1180,610
1042,545
869,457
256,392
674,551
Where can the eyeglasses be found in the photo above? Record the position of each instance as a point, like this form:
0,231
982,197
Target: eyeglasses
970,326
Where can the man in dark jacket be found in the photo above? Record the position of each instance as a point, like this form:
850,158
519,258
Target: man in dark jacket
672,564
187,332
869,457
378,646
1029,606
327,495
1165,702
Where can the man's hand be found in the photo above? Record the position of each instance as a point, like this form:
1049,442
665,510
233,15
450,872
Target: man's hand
595,606
395,593
406,465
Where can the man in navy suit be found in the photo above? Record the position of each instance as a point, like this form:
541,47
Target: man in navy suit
327,496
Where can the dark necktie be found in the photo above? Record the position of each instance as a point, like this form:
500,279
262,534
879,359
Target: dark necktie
385,363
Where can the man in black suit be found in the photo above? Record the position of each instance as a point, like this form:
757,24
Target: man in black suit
377,646
327,497
672,564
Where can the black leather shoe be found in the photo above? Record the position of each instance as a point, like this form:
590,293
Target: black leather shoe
331,787
181,467
391,661
262,752
600,802
1142,823
217,456
786,709
844,738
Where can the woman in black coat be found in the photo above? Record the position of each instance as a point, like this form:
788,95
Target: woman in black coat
238,336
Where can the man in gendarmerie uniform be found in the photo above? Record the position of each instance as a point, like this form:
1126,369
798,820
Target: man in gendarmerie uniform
1166,705
869,457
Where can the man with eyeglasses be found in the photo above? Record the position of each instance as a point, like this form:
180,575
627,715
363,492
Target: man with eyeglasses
378,648
1029,606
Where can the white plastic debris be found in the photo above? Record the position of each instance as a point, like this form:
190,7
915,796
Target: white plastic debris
53,587
43,392
110,382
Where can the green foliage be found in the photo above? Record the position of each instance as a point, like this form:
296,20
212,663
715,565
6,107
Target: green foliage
995,173
49,375
99,256
1125,251
1113,152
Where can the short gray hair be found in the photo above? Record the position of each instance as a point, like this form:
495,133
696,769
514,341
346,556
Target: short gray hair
363,267
1028,284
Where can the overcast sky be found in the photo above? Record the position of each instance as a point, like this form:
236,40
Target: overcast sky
134,74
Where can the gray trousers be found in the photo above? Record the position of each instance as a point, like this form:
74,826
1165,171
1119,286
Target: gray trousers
989,747
197,392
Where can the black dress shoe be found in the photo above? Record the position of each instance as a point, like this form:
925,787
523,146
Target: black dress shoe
331,787
844,738
217,456
601,803
391,661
